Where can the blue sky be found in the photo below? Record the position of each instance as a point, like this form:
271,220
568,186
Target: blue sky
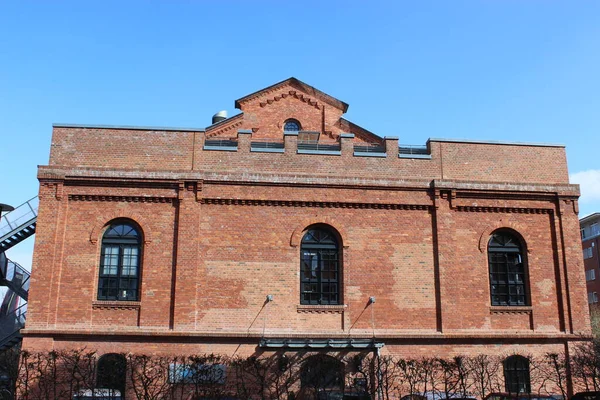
492,70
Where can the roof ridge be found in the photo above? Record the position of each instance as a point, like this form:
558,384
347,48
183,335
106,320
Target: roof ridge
308,89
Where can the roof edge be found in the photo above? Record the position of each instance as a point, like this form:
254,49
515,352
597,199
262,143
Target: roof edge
225,121
327,98
360,127
498,142
589,217
128,127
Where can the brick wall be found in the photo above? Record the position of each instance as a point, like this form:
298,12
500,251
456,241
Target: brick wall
222,228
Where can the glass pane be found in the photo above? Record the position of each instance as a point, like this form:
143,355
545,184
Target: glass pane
130,261
110,260
291,126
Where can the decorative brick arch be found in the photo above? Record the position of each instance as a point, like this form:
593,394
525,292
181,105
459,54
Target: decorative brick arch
500,224
297,234
139,219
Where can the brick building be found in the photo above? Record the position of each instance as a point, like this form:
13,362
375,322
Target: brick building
289,227
590,235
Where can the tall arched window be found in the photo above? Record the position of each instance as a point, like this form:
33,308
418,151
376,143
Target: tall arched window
516,374
319,267
291,125
111,373
508,270
120,262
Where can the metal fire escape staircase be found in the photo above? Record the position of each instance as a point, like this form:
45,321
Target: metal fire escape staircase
15,227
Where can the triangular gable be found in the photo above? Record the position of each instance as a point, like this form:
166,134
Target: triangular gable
226,127
301,86
359,132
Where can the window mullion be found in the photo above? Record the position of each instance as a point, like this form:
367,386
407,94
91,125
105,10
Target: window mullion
320,274
120,270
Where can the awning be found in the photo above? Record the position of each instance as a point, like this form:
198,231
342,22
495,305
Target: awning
358,344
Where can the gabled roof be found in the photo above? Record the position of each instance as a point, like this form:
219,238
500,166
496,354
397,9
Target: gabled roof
361,132
301,86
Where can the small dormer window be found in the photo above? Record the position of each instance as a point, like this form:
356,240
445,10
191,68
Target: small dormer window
291,125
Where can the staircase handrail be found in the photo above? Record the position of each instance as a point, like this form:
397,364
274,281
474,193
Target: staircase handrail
20,216
14,276
13,322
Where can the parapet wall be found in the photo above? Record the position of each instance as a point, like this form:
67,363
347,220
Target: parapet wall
166,149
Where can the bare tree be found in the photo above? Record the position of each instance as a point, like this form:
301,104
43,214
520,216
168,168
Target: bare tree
585,366
388,379
79,369
252,376
287,370
554,368
9,368
207,375
446,380
484,370
148,376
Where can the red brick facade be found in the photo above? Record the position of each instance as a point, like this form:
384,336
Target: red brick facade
222,230
590,240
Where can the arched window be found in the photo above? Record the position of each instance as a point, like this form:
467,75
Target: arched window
111,373
516,374
120,262
319,267
508,270
322,374
291,125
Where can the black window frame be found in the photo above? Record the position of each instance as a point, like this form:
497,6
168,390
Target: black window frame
322,373
320,267
517,377
292,121
111,373
125,237
508,269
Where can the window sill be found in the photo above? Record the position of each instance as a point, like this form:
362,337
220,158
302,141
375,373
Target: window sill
321,309
116,305
511,310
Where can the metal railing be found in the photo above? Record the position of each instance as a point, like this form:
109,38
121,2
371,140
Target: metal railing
223,143
369,148
314,145
12,323
407,149
19,217
266,144
14,276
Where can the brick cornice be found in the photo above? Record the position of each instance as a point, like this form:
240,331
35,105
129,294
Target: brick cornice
128,199
474,189
511,310
116,305
294,85
292,94
232,127
514,210
317,204
321,309
101,333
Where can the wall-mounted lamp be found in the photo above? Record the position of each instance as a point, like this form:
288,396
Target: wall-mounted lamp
372,300
269,298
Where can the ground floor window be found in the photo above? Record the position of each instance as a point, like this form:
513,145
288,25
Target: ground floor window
112,369
322,377
516,374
